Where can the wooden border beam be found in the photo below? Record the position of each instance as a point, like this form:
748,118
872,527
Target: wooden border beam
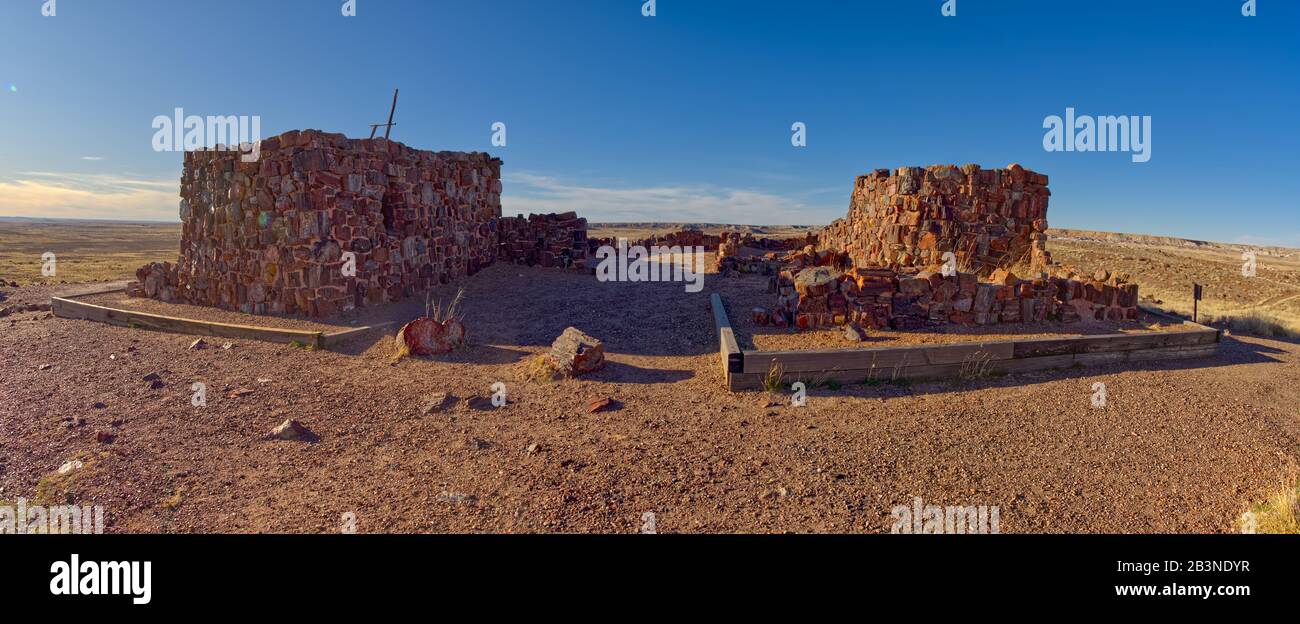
728,349
971,359
69,307
72,309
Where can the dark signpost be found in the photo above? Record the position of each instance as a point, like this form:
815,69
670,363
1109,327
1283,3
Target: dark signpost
1197,291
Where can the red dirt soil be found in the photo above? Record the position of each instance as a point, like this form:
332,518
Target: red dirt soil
1181,446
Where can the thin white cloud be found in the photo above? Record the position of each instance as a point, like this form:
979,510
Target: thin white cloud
88,196
531,193
95,158
106,196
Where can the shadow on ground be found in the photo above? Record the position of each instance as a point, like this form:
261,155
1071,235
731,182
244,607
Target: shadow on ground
1232,352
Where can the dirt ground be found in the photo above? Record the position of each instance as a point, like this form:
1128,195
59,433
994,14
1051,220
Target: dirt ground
1179,447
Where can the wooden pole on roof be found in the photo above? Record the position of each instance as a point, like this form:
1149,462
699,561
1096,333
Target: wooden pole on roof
388,127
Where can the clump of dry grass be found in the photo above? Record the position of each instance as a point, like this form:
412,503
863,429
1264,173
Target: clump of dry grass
58,488
434,309
976,366
540,369
772,381
1280,514
1259,323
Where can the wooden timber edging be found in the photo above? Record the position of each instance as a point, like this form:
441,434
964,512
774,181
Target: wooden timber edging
728,348
962,360
69,307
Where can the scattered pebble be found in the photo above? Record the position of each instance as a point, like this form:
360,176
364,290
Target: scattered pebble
70,465
457,498
290,430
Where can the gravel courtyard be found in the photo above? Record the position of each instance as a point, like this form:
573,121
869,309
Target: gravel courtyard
1180,447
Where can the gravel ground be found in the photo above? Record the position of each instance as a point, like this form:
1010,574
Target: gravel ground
1180,447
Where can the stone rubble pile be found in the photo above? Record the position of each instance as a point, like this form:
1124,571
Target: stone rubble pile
732,261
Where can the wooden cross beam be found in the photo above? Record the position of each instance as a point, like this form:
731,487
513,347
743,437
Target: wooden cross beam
388,127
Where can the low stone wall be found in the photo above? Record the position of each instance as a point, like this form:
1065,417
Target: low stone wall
988,218
269,236
680,238
550,240
730,261
879,298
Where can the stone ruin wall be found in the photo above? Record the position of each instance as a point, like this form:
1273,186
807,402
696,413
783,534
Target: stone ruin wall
561,240
988,218
268,236
546,240
679,238
881,266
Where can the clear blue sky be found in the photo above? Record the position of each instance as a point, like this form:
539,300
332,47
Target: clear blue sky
683,116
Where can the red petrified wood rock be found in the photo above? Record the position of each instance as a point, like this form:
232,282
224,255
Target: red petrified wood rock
426,336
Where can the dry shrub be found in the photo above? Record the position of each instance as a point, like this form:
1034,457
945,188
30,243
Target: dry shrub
541,369
1280,514
772,382
976,366
434,309
1259,323
400,348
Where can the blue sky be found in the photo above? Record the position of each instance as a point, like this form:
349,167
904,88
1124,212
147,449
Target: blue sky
684,116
